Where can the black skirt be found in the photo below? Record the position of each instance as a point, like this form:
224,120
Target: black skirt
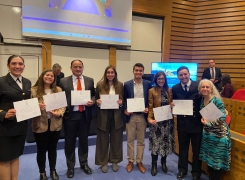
11,147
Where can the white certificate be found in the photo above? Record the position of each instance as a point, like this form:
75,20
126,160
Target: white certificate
211,112
80,97
183,107
109,101
27,109
135,105
55,101
162,113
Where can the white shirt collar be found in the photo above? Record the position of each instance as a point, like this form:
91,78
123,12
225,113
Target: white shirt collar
139,83
188,84
74,78
15,78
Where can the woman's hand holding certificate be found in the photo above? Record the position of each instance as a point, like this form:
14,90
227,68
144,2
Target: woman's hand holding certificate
109,101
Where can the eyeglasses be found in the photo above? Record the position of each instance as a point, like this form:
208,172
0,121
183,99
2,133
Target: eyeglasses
160,79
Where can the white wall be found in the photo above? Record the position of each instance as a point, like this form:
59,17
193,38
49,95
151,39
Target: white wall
145,49
95,60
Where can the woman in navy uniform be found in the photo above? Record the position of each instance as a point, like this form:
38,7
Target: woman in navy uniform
13,87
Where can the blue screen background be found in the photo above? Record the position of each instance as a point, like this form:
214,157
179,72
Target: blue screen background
170,70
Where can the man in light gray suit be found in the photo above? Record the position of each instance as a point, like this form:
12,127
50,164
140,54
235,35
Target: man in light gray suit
77,119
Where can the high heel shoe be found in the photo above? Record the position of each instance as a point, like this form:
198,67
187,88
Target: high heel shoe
54,175
43,176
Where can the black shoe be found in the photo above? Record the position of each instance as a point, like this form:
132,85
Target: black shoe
54,175
43,176
164,168
86,169
181,175
154,168
70,173
196,178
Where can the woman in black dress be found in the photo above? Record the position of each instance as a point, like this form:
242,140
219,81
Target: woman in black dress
13,87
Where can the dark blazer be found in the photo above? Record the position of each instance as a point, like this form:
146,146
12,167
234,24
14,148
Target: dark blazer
11,92
66,85
218,75
189,124
58,78
102,114
128,91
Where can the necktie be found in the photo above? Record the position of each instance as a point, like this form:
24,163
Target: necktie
18,80
185,88
212,73
79,87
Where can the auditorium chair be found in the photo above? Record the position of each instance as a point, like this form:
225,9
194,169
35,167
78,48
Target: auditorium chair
239,95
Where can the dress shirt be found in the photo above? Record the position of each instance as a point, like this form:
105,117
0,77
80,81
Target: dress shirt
15,79
211,72
138,90
188,85
112,90
74,79
48,91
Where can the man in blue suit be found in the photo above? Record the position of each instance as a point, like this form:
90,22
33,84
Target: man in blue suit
136,122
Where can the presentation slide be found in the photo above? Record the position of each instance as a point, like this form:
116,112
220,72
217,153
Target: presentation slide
96,21
170,69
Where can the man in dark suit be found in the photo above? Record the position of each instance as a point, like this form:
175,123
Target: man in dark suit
77,119
189,127
213,74
136,122
57,73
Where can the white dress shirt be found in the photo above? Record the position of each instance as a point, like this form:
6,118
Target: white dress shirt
188,85
18,82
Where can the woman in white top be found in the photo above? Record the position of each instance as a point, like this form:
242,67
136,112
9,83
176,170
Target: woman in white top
109,122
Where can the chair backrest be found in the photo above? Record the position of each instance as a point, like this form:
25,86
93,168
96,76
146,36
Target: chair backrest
228,120
239,94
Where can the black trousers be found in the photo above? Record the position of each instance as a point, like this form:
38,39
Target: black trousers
76,125
184,141
47,141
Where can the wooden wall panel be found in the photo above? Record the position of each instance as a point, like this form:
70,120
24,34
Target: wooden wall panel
183,18
222,24
204,29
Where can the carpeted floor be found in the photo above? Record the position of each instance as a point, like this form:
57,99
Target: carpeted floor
29,168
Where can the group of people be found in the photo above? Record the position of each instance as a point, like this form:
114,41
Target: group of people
205,136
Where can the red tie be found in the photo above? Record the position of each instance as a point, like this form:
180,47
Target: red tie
79,87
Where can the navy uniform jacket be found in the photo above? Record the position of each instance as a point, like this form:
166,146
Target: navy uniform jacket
189,124
11,92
